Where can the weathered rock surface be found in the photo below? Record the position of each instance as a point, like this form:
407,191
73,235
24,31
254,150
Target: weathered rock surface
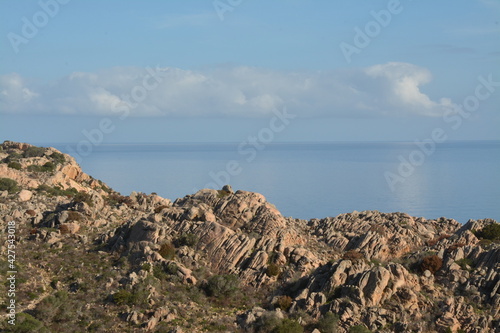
152,258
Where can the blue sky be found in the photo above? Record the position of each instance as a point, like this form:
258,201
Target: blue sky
218,75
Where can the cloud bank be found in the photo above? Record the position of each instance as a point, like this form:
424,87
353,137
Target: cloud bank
391,89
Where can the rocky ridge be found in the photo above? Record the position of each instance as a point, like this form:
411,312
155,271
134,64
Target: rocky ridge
224,260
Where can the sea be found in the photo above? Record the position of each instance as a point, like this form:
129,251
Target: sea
459,180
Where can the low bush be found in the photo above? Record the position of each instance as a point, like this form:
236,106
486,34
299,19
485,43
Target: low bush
273,270
74,216
10,185
114,199
353,255
47,167
15,165
123,296
13,157
288,326
159,272
51,306
187,240
171,268
83,197
359,329
167,251
328,323
432,263
465,263
490,232
58,158
284,302
26,323
160,208
64,229
34,152
57,191
436,240
222,285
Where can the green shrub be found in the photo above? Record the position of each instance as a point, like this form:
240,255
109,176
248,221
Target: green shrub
57,191
272,270
268,322
463,263
26,323
359,329
15,165
114,199
187,240
432,263
485,243
222,285
167,251
491,232
34,168
10,185
13,157
34,152
123,296
51,306
172,268
159,272
288,326
47,167
328,323
83,197
58,158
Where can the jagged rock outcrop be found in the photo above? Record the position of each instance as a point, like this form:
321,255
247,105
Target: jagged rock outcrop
145,263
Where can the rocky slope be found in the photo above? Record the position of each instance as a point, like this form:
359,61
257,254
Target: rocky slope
90,259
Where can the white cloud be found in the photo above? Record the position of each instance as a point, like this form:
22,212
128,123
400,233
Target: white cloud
402,88
387,89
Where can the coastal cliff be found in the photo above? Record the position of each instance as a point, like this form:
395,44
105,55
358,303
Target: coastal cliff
90,259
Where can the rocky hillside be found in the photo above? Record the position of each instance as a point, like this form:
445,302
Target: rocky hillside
90,259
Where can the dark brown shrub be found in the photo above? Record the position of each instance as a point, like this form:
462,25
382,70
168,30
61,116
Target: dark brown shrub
353,255
63,228
167,251
74,216
432,263
434,241
455,246
272,270
160,208
284,302
31,212
116,199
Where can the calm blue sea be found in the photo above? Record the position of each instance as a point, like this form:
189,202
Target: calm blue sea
459,180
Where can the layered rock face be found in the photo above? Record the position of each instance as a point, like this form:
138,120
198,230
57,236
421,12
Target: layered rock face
384,272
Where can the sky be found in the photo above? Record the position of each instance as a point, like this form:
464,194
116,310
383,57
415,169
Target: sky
219,70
